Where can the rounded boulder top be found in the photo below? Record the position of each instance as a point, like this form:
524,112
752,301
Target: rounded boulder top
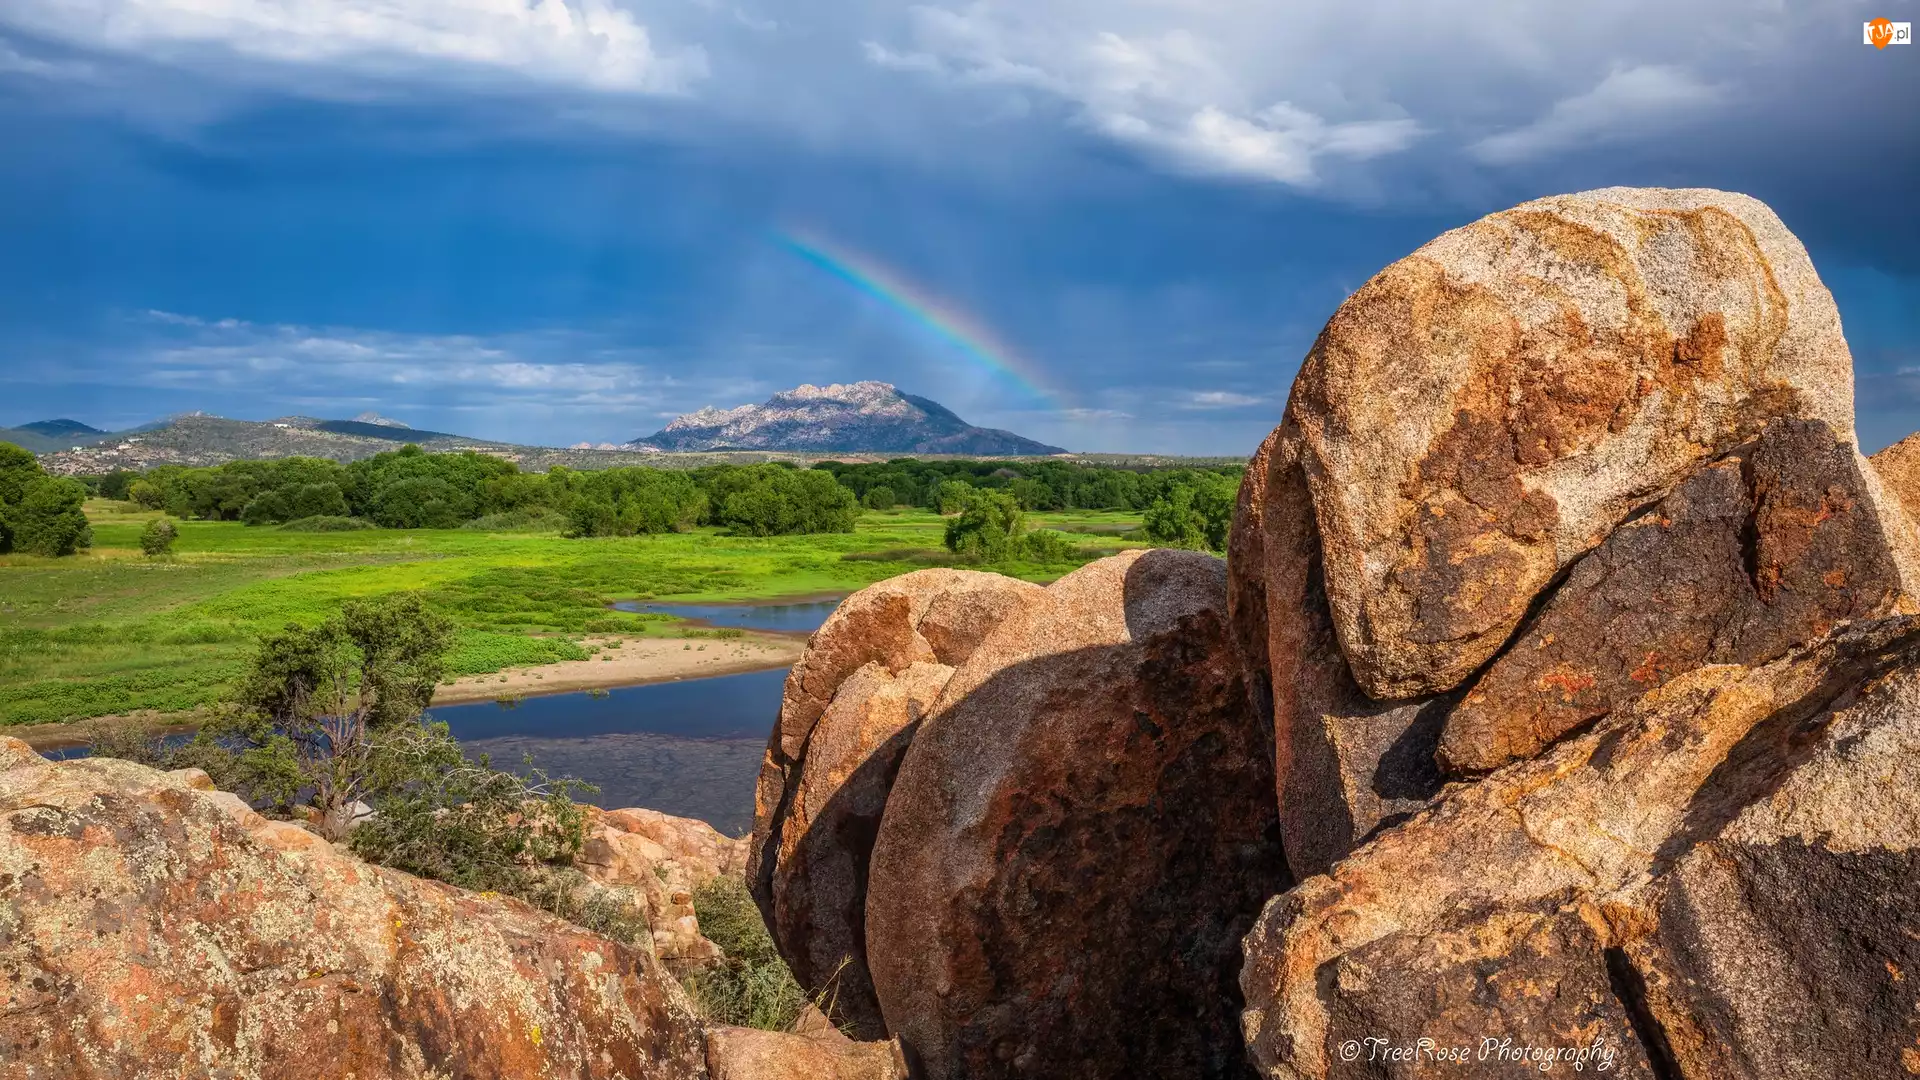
1488,408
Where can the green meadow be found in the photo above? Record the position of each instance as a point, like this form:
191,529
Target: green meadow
110,631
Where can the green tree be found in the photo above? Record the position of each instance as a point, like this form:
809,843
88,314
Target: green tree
988,529
158,537
48,519
1194,514
951,497
306,717
18,468
879,498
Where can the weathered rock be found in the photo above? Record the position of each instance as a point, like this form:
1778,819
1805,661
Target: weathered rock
747,1054
155,929
1899,469
851,707
1718,880
1763,550
1077,838
1344,764
1488,408
661,860
1247,578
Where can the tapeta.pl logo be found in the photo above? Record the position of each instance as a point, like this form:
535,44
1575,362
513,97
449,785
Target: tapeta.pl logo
1881,33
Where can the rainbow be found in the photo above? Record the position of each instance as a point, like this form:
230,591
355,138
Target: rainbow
966,336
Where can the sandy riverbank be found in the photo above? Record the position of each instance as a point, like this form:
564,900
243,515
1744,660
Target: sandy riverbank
636,661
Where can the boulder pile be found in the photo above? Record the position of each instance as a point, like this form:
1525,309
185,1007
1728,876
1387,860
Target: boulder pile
1561,697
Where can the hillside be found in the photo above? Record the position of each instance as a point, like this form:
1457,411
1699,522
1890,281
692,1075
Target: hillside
198,439
862,417
44,436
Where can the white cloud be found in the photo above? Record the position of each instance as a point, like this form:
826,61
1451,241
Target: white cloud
1628,102
1170,93
578,44
1220,399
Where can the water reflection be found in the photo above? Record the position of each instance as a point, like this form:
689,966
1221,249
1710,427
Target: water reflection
799,617
689,748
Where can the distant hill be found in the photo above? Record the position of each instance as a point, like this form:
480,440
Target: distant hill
45,436
862,417
199,439
60,429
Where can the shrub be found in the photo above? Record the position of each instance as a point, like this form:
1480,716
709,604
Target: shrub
328,524
1048,546
752,986
158,537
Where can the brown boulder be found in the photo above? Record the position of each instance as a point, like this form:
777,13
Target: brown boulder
1718,880
1898,467
1768,548
851,707
1344,764
1078,837
1488,408
154,929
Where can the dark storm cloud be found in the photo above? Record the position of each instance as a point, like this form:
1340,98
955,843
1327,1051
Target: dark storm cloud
1155,206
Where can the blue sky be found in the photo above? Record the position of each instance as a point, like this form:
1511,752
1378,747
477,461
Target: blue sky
557,221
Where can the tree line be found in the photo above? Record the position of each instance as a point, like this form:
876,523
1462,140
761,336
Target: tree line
411,489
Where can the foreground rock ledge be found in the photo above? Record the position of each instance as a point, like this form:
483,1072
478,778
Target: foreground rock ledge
148,928
1078,838
1719,880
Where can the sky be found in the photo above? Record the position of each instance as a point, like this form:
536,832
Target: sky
1112,225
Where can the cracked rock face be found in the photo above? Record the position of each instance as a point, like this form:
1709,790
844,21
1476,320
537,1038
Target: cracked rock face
1488,408
1765,549
149,927
1078,837
851,707
1717,880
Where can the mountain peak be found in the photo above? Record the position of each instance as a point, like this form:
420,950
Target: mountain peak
371,417
858,417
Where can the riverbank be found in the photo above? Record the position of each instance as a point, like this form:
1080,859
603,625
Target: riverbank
620,662
630,662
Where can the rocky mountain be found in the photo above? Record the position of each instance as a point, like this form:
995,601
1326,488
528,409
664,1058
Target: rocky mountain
869,417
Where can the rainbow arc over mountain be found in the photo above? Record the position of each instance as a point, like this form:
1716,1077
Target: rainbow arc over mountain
965,335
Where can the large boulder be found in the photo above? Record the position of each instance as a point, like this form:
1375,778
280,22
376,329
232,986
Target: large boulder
851,707
1487,409
153,928
1760,551
1719,879
1078,837
1344,764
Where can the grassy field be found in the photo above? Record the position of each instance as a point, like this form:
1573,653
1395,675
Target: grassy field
110,631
